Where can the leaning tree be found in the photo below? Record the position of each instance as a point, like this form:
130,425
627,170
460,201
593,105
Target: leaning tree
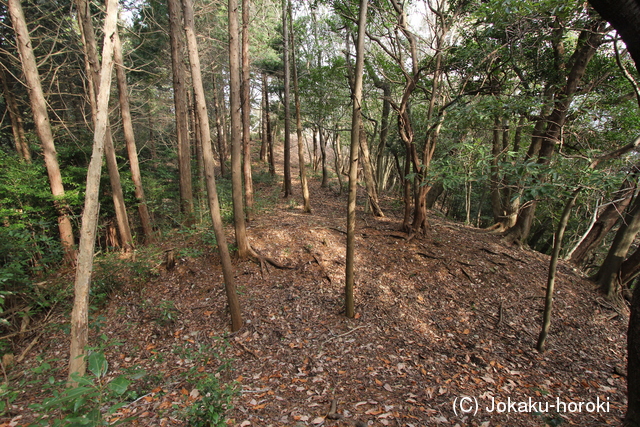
624,15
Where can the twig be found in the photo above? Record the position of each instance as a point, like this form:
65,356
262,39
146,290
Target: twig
29,347
426,255
251,352
345,334
261,390
337,229
466,274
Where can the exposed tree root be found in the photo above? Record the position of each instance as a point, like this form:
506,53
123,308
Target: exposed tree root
318,258
496,228
262,259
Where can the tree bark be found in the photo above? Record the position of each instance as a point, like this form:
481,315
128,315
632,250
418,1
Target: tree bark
220,128
43,127
356,128
296,90
323,154
272,162
384,124
608,274
80,313
263,125
369,176
287,97
207,151
129,137
93,72
242,242
605,222
180,102
557,245
624,15
246,116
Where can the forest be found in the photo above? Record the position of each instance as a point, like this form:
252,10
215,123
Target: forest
319,213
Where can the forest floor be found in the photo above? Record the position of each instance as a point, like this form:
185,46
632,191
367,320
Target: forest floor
449,314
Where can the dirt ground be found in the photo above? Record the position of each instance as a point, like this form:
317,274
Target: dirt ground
446,323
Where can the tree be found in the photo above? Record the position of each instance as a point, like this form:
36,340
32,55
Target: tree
129,137
605,221
607,276
287,101
180,101
356,128
207,152
80,313
557,242
221,132
246,113
267,126
93,73
550,126
244,249
43,127
296,90
625,17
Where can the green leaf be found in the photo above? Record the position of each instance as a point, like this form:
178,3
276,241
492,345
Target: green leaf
119,385
79,403
140,373
97,364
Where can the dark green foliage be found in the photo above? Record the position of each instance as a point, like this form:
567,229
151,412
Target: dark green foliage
29,242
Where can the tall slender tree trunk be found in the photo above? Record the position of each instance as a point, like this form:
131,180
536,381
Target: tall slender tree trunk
296,90
17,124
246,113
272,161
244,249
322,140
337,160
356,128
496,194
207,151
180,102
287,113
263,124
384,132
80,312
129,137
551,278
369,176
316,158
43,127
420,208
384,124
93,72
220,127
200,161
